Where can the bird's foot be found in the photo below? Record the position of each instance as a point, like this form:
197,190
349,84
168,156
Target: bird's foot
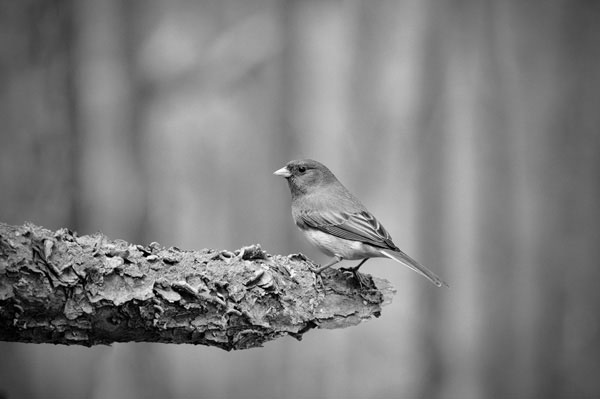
316,269
363,281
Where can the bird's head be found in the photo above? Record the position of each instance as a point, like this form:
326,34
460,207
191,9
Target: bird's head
305,175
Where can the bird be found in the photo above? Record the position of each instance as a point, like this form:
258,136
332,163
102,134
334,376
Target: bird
337,223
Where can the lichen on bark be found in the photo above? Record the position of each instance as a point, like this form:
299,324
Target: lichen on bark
61,288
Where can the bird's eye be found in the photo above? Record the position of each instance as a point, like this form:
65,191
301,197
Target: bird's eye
301,169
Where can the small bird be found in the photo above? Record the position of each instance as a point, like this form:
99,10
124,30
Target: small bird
337,223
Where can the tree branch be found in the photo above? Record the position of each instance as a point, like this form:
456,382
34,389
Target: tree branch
61,288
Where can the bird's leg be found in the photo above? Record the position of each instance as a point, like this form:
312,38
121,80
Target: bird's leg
317,271
336,259
362,280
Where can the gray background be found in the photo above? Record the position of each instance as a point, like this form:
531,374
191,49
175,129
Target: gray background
469,128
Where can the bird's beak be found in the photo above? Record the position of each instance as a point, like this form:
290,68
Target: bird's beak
283,172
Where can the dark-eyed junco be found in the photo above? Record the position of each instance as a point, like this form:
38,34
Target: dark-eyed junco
337,222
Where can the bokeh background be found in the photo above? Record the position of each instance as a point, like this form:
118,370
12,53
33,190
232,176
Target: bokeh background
470,128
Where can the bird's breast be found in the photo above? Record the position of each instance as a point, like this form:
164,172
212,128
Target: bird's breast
335,246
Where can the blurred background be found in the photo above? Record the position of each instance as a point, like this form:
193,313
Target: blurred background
469,128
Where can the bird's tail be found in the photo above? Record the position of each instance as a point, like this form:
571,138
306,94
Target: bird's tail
406,260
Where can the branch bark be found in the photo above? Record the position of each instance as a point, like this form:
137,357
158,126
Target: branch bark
61,288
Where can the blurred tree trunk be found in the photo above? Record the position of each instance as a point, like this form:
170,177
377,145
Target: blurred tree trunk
110,175
38,145
508,106
560,191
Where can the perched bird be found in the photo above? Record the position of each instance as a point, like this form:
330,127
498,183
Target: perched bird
337,223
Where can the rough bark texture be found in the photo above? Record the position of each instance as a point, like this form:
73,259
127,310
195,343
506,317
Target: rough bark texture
57,287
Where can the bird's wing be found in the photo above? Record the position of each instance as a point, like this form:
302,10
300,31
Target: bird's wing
359,226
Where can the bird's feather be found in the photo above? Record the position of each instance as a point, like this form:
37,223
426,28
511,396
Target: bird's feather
412,264
360,226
